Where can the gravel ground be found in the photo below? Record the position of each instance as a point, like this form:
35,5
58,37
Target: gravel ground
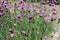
55,35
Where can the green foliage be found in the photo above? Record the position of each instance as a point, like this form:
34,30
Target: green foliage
33,0
38,25
58,1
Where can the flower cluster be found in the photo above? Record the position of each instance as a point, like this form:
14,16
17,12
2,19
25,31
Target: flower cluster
25,18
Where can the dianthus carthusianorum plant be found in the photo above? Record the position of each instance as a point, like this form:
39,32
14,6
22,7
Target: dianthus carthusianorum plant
21,20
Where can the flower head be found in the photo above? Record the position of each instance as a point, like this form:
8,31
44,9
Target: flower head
30,17
23,33
21,0
14,25
48,1
18,16
47,19
44,3
44,38
37,11
1,13
10,30
31,9
11,34
20,7
0,7
28,20
5,3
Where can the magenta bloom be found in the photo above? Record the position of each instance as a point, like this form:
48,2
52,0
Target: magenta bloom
0,7
11,34
31,9
13,5
50,4
1,13
20,7
7,7
14,25
47,1
30,17
53,9
18,16
44,3
47,19
37,11
23,33
55,1
28,20
10,30
21,0
5,3
53,4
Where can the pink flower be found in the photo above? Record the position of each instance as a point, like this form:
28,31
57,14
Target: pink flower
14,24
30,17
18,16
5,3
44,38
20,7
47,19
53,9
0,7
37,11
1,13
23,32
21,0
31,9
10,29
50,4
47,1
7,7
25,8
13,5
28,20
53,4
11,34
